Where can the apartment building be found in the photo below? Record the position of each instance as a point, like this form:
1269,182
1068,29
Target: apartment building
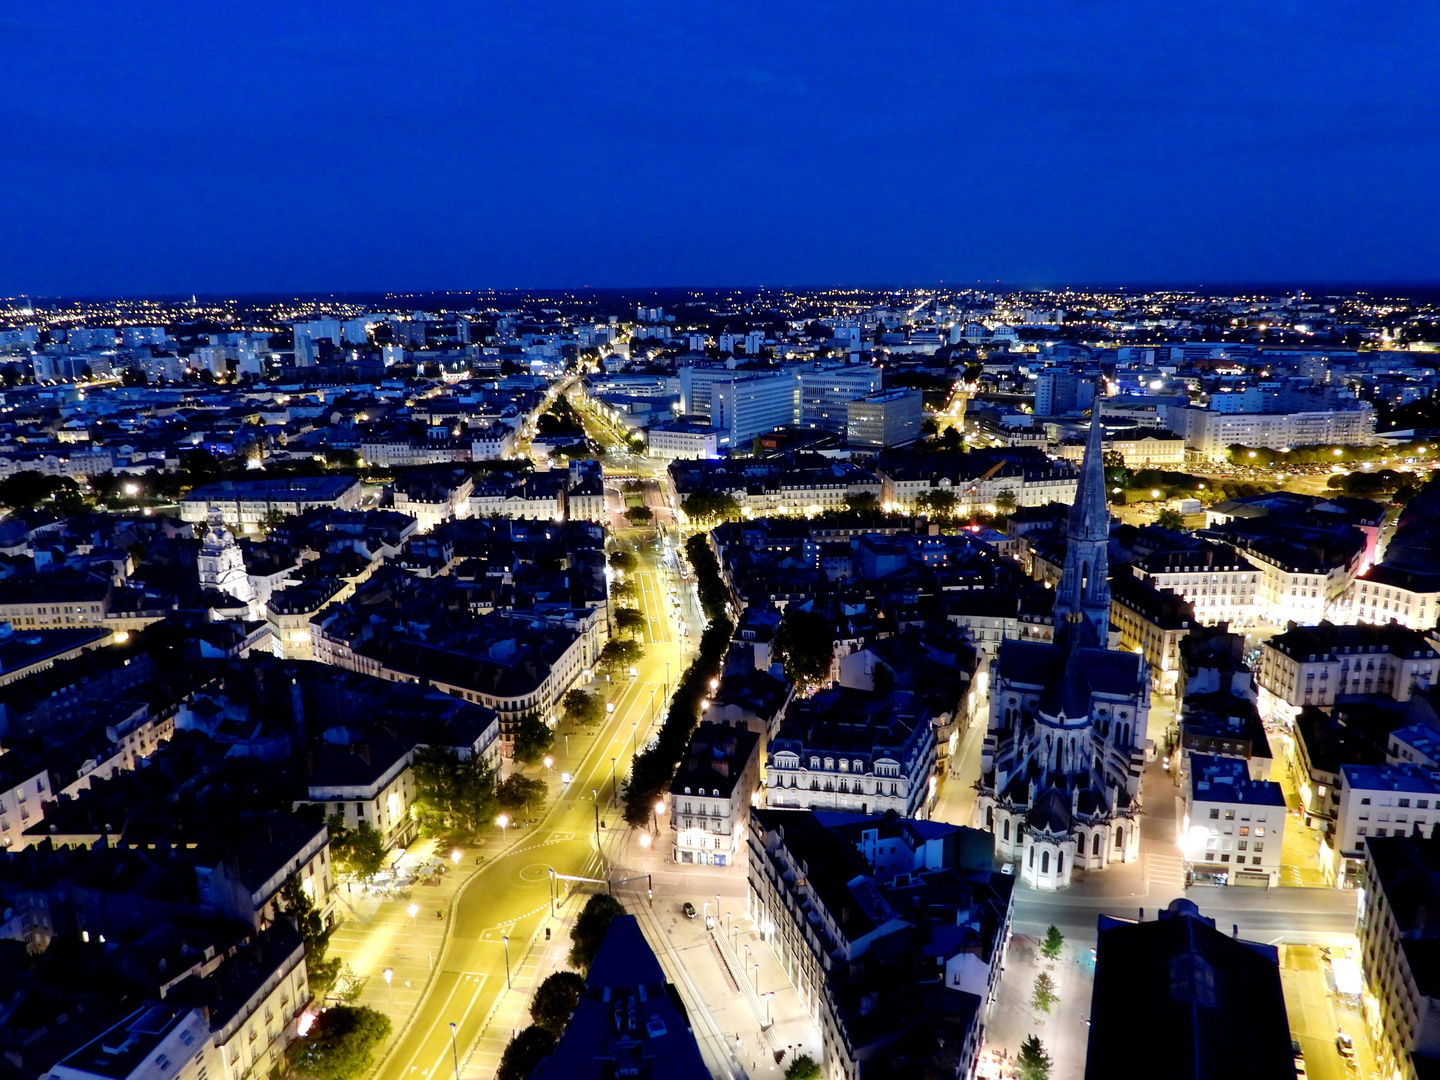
1153,623
1401,954
711,795
247,505
845,749
48,602
366,781
24,790
1319,665
1384,594
1382,800
845,903
1219,583
1233,828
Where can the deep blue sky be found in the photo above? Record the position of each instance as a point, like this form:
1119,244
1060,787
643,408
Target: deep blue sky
257,146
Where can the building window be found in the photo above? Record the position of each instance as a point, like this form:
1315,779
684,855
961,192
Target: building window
1214,815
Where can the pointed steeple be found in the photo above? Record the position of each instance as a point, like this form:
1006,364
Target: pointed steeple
1082,602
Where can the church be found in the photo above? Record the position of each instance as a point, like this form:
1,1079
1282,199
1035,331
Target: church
1060,767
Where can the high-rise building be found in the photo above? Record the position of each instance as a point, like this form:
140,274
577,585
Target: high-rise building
746,407
826,391
889,418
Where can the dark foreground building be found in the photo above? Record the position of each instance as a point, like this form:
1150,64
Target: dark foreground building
1176,999
626,1024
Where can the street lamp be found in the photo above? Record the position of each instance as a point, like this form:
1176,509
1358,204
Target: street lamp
769,997
453,1052
757,978
644,839
389,974
613,792
505,940
413,909
503,821
455,856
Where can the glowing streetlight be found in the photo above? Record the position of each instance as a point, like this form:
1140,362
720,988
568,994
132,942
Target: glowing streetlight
413,910
455,856
503,821
645,839
549,761
389,974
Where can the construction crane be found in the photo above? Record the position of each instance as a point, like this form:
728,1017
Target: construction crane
975,486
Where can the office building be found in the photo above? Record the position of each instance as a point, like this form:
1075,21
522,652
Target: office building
744,408
889,418
826,391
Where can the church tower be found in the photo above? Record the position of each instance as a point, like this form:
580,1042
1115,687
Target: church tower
1082,599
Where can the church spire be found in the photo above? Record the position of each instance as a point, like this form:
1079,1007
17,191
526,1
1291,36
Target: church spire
1082,602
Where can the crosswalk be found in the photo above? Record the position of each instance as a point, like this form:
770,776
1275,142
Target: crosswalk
1165,876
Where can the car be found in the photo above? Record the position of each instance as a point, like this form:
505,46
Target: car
688,909
1345,1044
1007,868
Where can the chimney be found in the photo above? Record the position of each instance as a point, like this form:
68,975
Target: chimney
1142,914
1235,931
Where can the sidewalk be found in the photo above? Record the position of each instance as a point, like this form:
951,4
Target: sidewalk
1065,1032
511,1014
377,934
743,1015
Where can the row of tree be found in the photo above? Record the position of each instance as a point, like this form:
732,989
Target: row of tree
652,771
557,998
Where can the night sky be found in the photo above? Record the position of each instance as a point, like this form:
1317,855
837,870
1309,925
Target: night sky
255,147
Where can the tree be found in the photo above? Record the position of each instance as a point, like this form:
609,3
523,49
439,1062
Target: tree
525,1051
451,792
295,904
638,515
803,1067
1034,1062
630,620
555,999
623,560
622,590
340,1044
583,708
806,643
1053,943
864,502
620,654
533,739
710,505
939,502
1170,519
27,489
518,792
1044,997
1006,502
360,851
590,928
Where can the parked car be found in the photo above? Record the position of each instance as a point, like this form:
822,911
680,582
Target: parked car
1345,1044
688,909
